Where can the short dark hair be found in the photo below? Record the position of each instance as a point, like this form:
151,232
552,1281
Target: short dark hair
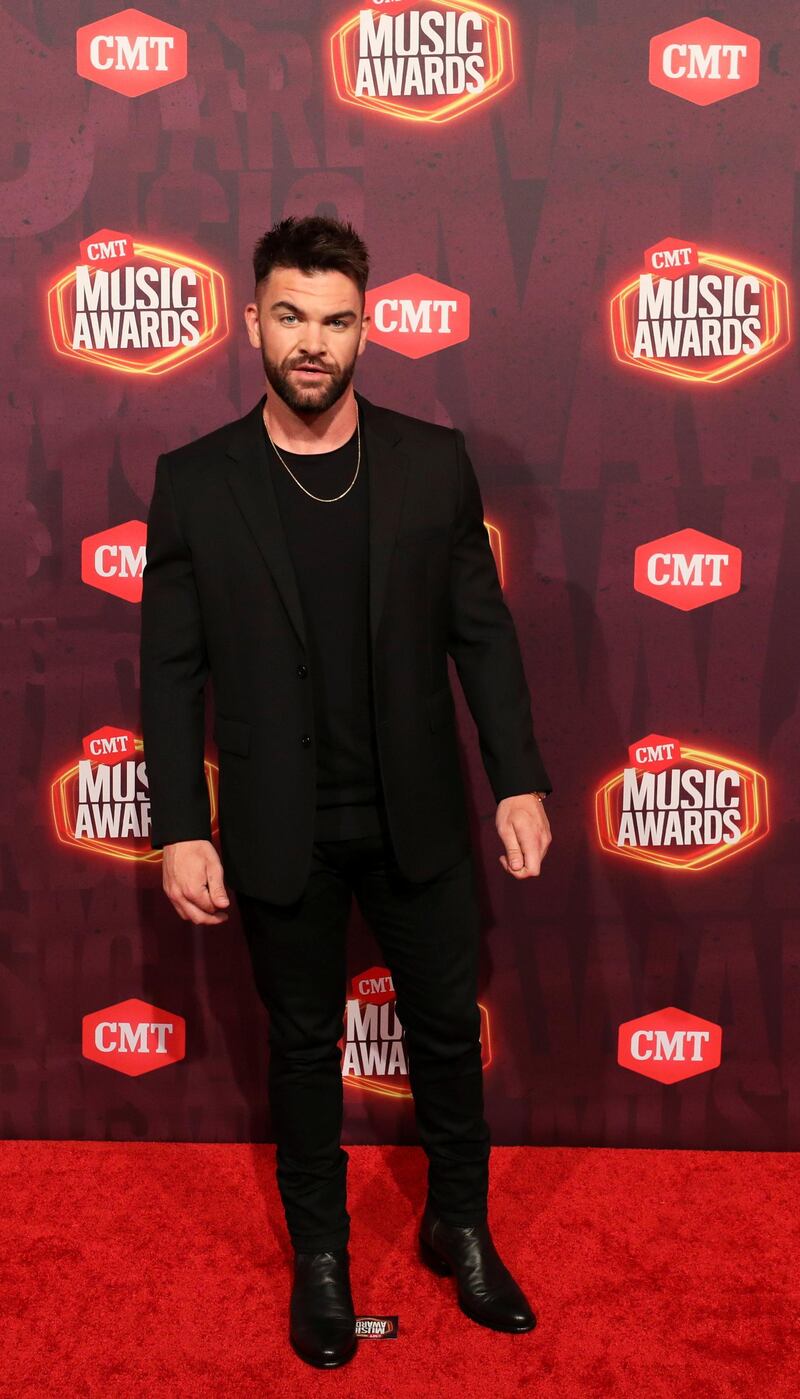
314,243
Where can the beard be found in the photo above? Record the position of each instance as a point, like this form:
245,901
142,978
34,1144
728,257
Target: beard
307,399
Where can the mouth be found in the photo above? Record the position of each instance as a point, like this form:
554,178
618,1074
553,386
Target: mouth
308,370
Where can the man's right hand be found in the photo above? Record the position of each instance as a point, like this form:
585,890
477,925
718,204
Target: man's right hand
193,881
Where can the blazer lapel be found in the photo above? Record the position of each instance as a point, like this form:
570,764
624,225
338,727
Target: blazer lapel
247,469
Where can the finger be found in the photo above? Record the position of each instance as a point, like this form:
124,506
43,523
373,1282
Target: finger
216,886
533,859
197,894
192,914
516,874
190,910
522,844
514,853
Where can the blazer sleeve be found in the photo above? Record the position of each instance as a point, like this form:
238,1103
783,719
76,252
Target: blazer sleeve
484,645
173,669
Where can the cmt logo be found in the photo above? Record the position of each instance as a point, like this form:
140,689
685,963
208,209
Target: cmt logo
417,316
134,1038
107,248
704,61
131,52
669,1045
671,258
109,745
687,569
428,62
114,560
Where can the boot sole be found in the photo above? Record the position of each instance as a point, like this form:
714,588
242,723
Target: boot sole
442,1268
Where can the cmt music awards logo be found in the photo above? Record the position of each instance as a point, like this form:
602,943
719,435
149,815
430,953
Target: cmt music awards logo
102,804
373,1046
417,316
669,1045
429,61
679,806
136,307
697,315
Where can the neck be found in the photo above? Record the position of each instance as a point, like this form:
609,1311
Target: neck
311,432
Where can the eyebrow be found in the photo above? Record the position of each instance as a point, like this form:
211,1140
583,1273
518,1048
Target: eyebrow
335,316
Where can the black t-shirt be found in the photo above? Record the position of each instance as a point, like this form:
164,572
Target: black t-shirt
329,545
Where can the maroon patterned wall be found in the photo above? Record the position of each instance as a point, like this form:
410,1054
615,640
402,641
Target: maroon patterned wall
533,210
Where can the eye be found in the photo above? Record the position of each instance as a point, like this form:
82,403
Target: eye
337,321
289,316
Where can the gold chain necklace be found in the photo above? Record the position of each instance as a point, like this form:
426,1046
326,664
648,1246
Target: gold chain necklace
327,500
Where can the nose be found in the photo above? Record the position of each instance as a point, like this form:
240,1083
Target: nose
312,341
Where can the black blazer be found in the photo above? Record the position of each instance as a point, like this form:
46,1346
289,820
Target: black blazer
220,599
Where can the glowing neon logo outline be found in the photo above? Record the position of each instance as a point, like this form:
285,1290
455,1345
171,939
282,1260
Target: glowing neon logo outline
59,806
777,318
755,806
501,68
211,288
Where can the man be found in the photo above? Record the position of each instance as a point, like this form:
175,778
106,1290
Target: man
319,558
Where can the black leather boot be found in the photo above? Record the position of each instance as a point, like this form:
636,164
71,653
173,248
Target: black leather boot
322,1326
487,1293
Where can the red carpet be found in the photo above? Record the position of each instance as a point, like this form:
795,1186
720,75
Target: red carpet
158,1271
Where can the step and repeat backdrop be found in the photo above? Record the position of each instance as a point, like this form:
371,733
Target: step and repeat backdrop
583,224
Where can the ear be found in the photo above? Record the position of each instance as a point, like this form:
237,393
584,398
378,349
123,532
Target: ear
253,324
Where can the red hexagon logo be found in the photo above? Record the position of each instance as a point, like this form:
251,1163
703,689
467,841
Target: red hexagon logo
687,569
131,52
423,63
672,257
374,986
107,248
669,1045
134,1037
654,753
114,560
417,316
155,308
109,745
704,61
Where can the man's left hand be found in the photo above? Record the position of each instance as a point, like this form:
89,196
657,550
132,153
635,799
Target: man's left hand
524,829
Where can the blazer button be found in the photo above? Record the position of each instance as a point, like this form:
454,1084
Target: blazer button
305,740
302,671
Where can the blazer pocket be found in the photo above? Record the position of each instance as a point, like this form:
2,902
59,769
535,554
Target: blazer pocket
441,707
232,734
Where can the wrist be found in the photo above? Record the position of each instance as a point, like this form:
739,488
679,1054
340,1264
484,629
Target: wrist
540,795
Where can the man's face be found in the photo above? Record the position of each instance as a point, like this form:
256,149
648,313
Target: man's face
310,330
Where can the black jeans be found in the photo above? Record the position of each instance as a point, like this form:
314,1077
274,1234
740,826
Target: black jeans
428,934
